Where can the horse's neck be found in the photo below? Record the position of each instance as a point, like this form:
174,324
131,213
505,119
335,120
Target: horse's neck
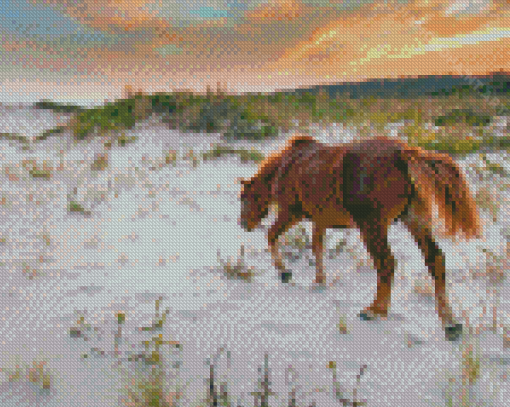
289,159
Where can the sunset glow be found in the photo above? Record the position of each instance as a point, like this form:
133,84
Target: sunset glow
88,51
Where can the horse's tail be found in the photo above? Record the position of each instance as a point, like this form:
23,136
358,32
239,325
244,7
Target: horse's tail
437,178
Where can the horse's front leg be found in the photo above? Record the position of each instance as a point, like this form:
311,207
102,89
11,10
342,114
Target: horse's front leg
317,247
284,221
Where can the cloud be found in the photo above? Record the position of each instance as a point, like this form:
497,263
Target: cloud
352,46
169,49
465,7
275,10
272,39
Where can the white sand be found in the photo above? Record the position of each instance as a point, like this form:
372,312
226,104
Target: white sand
160,237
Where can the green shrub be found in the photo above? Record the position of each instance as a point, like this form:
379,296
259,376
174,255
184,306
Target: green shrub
463,116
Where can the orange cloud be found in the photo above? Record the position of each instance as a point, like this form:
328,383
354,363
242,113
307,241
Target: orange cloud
368,43
352,38
379,40
442,20
108,14
276,10
472,59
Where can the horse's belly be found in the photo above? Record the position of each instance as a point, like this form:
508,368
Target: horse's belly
329,215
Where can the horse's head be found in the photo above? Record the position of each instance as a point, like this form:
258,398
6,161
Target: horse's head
254,203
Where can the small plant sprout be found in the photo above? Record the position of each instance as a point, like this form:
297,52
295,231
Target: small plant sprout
15,374
424,287
339,248
192,158
159,320
76,207
237,269
79,330
459,390
470,366
35,171
154,357
171,158
46,239
338,392
485,200
261,397
121,317
495,266
217,396
342,326
39,376
100,162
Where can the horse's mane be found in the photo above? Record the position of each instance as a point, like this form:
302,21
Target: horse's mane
269,167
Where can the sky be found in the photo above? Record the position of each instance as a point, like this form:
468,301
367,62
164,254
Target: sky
88,51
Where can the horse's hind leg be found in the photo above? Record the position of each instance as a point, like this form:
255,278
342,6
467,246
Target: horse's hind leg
375,237
435,261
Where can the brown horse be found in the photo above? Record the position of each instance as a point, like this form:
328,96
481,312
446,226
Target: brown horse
366,184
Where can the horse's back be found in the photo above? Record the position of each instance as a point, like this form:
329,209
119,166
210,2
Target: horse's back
376,180
301,141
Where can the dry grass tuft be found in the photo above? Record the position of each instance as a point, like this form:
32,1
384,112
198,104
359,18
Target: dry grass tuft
236,269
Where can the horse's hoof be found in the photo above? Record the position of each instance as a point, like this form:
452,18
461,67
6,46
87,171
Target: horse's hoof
453,332
318,287
286,277
369,315
366,316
